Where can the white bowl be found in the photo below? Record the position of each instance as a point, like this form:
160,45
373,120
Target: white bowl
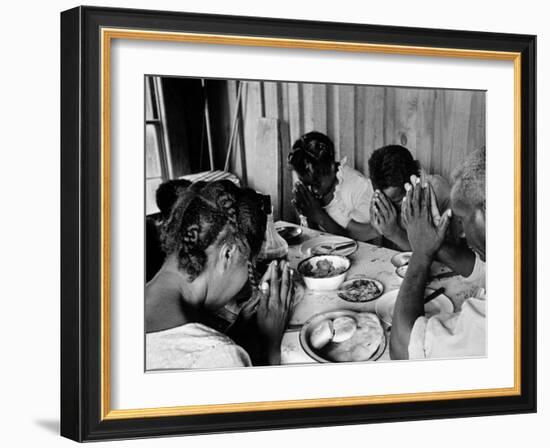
325,283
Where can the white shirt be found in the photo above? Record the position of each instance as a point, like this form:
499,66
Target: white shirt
352,197
477,277
452,335
192,346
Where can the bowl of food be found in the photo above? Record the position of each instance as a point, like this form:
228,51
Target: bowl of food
324,272
360,289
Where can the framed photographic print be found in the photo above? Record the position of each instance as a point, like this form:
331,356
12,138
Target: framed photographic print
276,224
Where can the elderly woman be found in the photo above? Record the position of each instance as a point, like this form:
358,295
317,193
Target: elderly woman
211,239
450,335
332,196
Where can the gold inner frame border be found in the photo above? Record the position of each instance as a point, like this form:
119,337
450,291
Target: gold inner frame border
107,35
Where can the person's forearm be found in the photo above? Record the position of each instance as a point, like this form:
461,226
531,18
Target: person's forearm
325,222
459,258
400,239
409,305
361,231
274,353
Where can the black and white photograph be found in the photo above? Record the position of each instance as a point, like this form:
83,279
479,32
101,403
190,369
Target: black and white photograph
272,223
298,223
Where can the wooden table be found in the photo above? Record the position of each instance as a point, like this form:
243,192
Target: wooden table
369,260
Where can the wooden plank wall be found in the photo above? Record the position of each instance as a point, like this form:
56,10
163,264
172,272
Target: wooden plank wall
439,127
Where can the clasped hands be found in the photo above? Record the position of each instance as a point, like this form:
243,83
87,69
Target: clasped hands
269,307
420,217
306,203
426,228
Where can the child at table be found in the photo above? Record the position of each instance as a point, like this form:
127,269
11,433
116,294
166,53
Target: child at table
333,197
390,168
211,238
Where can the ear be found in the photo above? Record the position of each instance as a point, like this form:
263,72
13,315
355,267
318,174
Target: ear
227,256
479,218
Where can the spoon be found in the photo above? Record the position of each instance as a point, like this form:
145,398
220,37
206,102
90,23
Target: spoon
327,249
434,294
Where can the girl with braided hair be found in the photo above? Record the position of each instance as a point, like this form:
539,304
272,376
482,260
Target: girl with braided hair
332,196
211,239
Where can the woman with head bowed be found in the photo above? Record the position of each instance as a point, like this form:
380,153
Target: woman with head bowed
211,239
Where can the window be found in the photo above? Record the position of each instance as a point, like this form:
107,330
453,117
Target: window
157,146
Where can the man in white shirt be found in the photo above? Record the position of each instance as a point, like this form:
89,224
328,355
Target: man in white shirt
453,334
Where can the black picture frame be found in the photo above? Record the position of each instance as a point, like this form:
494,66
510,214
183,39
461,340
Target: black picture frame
81,208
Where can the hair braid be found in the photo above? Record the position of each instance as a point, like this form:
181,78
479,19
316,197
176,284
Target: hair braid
213,213
312,153
392,166
252,279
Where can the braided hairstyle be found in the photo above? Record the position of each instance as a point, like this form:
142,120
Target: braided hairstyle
167,194
312,153
392,166
252,214
212,214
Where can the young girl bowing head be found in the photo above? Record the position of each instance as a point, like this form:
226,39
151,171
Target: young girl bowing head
211,238
333,197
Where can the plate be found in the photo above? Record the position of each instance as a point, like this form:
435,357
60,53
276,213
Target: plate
358,284
313,245
290,232
312,323
385,304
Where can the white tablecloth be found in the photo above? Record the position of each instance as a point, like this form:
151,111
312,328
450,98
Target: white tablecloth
369,260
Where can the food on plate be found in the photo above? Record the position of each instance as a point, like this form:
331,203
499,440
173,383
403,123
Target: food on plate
362,345
348,338
321,250
360,290
322,334
344,328
323,268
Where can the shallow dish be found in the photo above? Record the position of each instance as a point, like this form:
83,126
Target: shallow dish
385,305
356,290
312,246
290,232
313,322
326,282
